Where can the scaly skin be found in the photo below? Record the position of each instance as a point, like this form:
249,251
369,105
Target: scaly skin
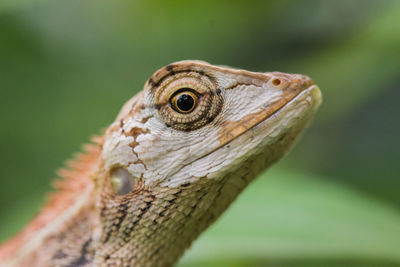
164,171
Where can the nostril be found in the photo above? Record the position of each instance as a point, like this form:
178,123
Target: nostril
276,81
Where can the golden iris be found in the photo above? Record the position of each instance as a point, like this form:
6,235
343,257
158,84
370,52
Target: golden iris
184,101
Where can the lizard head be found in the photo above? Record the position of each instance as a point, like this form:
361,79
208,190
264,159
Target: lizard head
195,121
187,144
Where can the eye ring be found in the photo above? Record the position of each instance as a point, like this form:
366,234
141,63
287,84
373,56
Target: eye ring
201,88
184,101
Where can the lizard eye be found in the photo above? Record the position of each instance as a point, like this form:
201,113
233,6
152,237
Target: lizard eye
184,101
188,100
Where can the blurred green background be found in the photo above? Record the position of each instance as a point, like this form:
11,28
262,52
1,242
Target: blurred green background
66,67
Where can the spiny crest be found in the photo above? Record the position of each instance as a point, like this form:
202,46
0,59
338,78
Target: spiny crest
74,179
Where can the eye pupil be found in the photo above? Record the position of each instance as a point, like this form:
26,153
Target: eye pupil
185,102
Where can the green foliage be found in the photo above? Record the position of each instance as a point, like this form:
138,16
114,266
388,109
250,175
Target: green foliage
66,67
286,216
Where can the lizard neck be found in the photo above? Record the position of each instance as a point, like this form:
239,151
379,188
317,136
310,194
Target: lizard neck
155,228
151,228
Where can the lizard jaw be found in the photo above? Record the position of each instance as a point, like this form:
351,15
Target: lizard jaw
280,127
298,85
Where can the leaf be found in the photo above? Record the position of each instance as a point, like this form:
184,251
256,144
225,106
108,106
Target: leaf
287,215
344,72
7,5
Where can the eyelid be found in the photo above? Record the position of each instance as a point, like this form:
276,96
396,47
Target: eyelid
185,89
173,86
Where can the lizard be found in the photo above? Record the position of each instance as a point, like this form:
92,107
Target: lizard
177,155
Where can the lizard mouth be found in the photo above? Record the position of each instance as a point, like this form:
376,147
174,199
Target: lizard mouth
310,95
303,101
230,130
